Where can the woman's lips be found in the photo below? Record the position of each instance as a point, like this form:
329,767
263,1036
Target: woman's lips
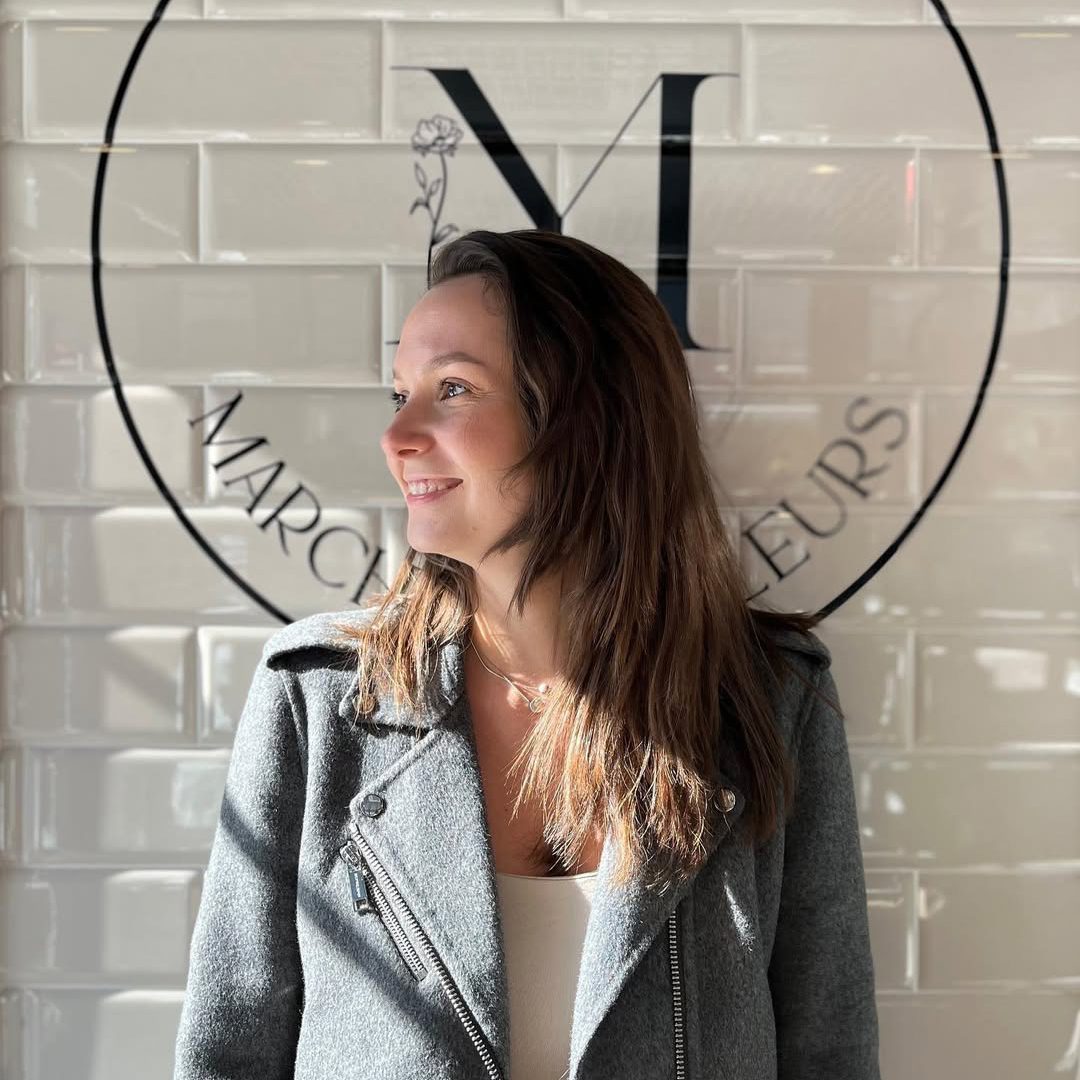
430,496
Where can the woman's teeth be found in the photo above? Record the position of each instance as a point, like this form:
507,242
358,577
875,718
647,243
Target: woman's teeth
426,488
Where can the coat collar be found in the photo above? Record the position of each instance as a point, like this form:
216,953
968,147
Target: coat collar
320,631
447,685
434,840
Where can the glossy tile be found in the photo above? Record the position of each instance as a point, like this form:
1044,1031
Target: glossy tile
960,222
97,1034
747,11
885,327
11,79
994,811
137,806
132,9
956,567
148,208
823,448
11,846
1023,449
72,445
960,940
712,319
751,204
332,88
141,923
86,686
573,82
853,84
995,1036
115,566
998,691
891,911
191,325
282,203
387,9
875,679
228,657
12,319
1065,12
329,440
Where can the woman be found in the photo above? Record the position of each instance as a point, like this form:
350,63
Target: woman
559,803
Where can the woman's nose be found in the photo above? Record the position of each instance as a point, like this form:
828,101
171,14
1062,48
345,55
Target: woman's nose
400,436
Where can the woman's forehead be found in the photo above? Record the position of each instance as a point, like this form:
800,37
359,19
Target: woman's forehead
453,315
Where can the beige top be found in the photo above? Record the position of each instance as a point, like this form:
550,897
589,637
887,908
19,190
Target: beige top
543,920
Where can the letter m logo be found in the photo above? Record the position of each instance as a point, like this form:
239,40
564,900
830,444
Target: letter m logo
676,125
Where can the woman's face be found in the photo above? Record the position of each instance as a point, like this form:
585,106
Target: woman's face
457,419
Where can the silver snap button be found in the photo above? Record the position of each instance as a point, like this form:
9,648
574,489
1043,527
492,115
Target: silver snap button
372,805
727,799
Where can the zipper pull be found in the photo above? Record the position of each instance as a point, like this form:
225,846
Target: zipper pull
357,885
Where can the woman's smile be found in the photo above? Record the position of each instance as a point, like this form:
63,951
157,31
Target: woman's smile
429,496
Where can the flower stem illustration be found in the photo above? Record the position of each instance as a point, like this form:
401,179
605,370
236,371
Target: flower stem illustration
439,135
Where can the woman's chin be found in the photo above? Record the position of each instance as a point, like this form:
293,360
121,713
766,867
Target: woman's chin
423,541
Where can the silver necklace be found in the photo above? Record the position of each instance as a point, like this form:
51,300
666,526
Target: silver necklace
535,704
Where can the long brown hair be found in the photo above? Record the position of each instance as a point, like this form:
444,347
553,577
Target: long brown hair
663,649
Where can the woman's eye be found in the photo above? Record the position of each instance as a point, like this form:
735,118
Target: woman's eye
399,399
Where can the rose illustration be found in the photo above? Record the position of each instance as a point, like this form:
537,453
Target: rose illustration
439,135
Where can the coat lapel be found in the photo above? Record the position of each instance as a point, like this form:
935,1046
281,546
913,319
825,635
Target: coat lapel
623,924
433,837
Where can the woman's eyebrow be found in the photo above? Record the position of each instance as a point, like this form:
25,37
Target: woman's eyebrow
443,359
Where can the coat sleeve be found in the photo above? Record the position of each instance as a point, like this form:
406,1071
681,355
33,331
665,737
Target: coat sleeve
241,1014
821,971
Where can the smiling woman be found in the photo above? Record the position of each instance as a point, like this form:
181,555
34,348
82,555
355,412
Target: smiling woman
535,808
612,668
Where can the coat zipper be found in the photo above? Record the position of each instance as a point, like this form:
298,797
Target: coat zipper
367,897
677,995
366,900
386,887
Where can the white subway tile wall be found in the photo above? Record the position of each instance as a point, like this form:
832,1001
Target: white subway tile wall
257,260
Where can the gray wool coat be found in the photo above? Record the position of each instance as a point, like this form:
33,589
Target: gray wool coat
349,929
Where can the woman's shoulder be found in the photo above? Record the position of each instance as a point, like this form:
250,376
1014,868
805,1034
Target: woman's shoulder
803,642
777,638
795,670
322,630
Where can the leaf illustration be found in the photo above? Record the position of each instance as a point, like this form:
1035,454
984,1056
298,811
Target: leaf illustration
421,176
444,232
435,187
418,201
